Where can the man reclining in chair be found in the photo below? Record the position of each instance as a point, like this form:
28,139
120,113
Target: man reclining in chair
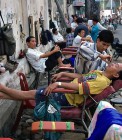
95,81
41,61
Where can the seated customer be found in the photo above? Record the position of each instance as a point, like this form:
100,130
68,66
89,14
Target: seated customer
95,81
80,38
58,38
41,61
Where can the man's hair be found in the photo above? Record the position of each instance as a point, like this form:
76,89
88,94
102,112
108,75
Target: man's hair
54,30
69,30
79,20
118,78
79,30
95,19
75,16
120,75
106,36
28,39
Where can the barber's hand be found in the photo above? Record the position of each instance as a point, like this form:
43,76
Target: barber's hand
56,49
106,58
50,88
55,77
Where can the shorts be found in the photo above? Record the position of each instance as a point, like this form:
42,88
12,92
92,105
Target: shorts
59,97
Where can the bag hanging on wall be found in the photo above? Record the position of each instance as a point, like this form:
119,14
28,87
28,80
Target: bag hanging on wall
7,41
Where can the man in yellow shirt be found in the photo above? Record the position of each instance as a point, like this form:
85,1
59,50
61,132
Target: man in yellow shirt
95,82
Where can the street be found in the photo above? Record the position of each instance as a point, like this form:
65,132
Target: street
23,133
118,33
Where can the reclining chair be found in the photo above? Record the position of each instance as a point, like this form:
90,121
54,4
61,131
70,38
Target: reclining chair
70,112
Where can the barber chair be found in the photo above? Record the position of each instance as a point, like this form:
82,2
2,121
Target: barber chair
72,113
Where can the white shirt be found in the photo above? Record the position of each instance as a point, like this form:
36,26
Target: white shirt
77,41
56,25
74,25
36,62
101,27
58,37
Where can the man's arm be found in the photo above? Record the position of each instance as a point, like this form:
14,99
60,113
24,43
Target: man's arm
55,85
55,77
56,49
14,94
87,51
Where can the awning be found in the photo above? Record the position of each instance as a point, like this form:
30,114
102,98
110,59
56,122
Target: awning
78,3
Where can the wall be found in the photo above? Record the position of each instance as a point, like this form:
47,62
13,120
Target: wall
17,12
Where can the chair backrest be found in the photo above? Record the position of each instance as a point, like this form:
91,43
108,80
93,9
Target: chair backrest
103,95
24,86
117,84
23,82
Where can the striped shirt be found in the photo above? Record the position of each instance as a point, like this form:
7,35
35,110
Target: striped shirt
87,59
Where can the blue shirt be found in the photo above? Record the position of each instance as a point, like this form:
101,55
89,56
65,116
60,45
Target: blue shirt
94,32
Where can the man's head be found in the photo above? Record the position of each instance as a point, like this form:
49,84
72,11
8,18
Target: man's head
95,20
114,71
104,40
69,30
81,32
54,30
75,17
79,20
31,42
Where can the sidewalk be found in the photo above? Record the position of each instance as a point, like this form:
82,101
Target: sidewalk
24,129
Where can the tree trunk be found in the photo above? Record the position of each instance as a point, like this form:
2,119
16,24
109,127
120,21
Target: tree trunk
92,8
63,22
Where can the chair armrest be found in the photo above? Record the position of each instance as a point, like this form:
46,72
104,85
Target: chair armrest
71,69
47,126
69,49
73,47
63,90
66,68
65,79
69,52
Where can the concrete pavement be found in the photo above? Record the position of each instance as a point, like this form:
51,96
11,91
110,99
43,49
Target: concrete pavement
118,33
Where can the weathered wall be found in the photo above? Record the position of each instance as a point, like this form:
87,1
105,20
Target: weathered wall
17,12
